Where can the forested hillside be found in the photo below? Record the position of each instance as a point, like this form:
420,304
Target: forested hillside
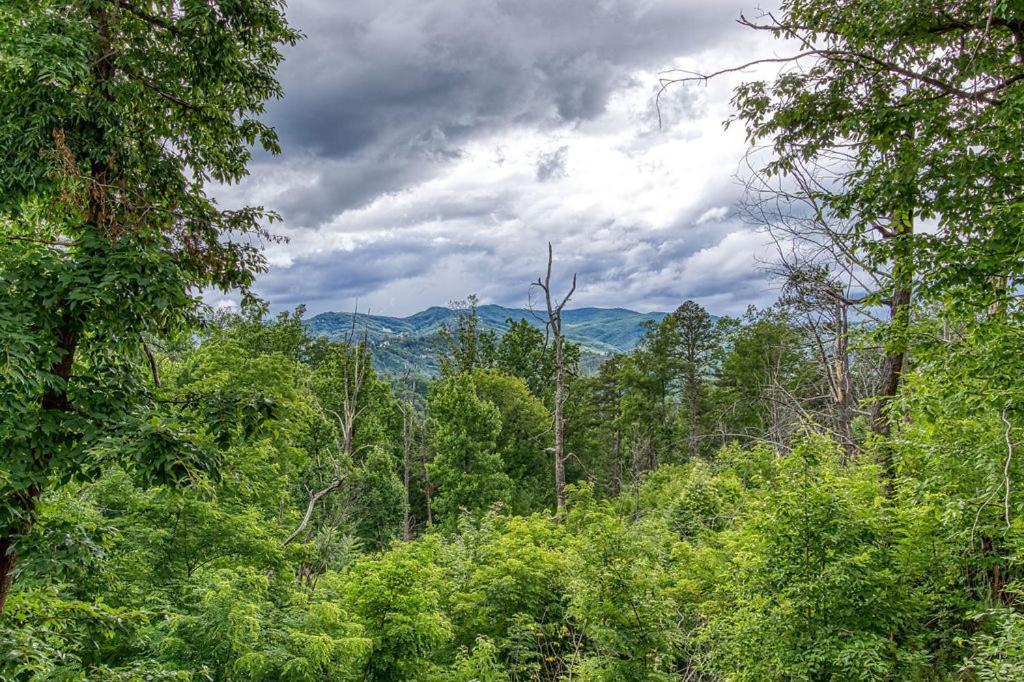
401,345
827,488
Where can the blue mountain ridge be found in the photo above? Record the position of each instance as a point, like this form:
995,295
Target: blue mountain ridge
400,344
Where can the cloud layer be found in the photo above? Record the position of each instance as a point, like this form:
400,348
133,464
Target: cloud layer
433,147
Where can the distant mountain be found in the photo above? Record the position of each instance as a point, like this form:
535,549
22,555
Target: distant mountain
401,344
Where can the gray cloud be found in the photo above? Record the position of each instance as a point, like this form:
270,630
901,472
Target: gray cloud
552,164
389,196
424,75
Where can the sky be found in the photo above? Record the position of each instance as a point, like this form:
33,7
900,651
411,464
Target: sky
432,148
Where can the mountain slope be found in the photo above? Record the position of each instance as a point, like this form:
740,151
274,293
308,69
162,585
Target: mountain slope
401,344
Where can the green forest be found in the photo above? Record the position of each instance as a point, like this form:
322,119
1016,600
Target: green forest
829,488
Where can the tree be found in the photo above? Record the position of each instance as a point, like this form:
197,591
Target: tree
525,425
652,375
467,347
596,425
375,500
906,111
523,352
467,468
113,117
825,308
367,418
695,332
767,386
554,323
397,599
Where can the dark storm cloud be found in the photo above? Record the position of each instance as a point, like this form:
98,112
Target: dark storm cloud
346,184
413,76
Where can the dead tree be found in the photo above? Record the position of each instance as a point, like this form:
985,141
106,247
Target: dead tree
314,497
352,379
824,307
828,271
408,425
554,326
428,488
352,384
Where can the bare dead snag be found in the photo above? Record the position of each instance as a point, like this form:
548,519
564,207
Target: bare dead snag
554,325
407,440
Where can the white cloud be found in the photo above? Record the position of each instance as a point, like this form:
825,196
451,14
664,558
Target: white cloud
642,212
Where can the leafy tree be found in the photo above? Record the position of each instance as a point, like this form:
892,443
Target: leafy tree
694,333
764,371
520,443
114,116
375,500
467,346
511,574
397,598
523,352
597,426
792,593
649,377
285,334
467,468
918,103
237,633
621,595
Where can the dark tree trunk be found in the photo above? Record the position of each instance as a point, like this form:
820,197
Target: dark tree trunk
693,407
54,400
66,336
616,483
891,371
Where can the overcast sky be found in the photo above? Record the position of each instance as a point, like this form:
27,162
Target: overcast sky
433,147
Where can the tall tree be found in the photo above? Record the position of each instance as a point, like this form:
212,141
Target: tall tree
525,425
467,468
523,352
468,346
910,111
696,338
554,322
113,118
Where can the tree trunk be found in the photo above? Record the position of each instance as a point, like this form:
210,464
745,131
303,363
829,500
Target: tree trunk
841,372
616,486
555,325
407,472
896,351
693,391
426,490
56,399
26,504
559,422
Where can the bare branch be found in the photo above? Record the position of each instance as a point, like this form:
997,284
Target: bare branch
1006,466
313,499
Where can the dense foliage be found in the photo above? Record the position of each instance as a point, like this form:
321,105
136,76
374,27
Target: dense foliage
806,492
752,560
